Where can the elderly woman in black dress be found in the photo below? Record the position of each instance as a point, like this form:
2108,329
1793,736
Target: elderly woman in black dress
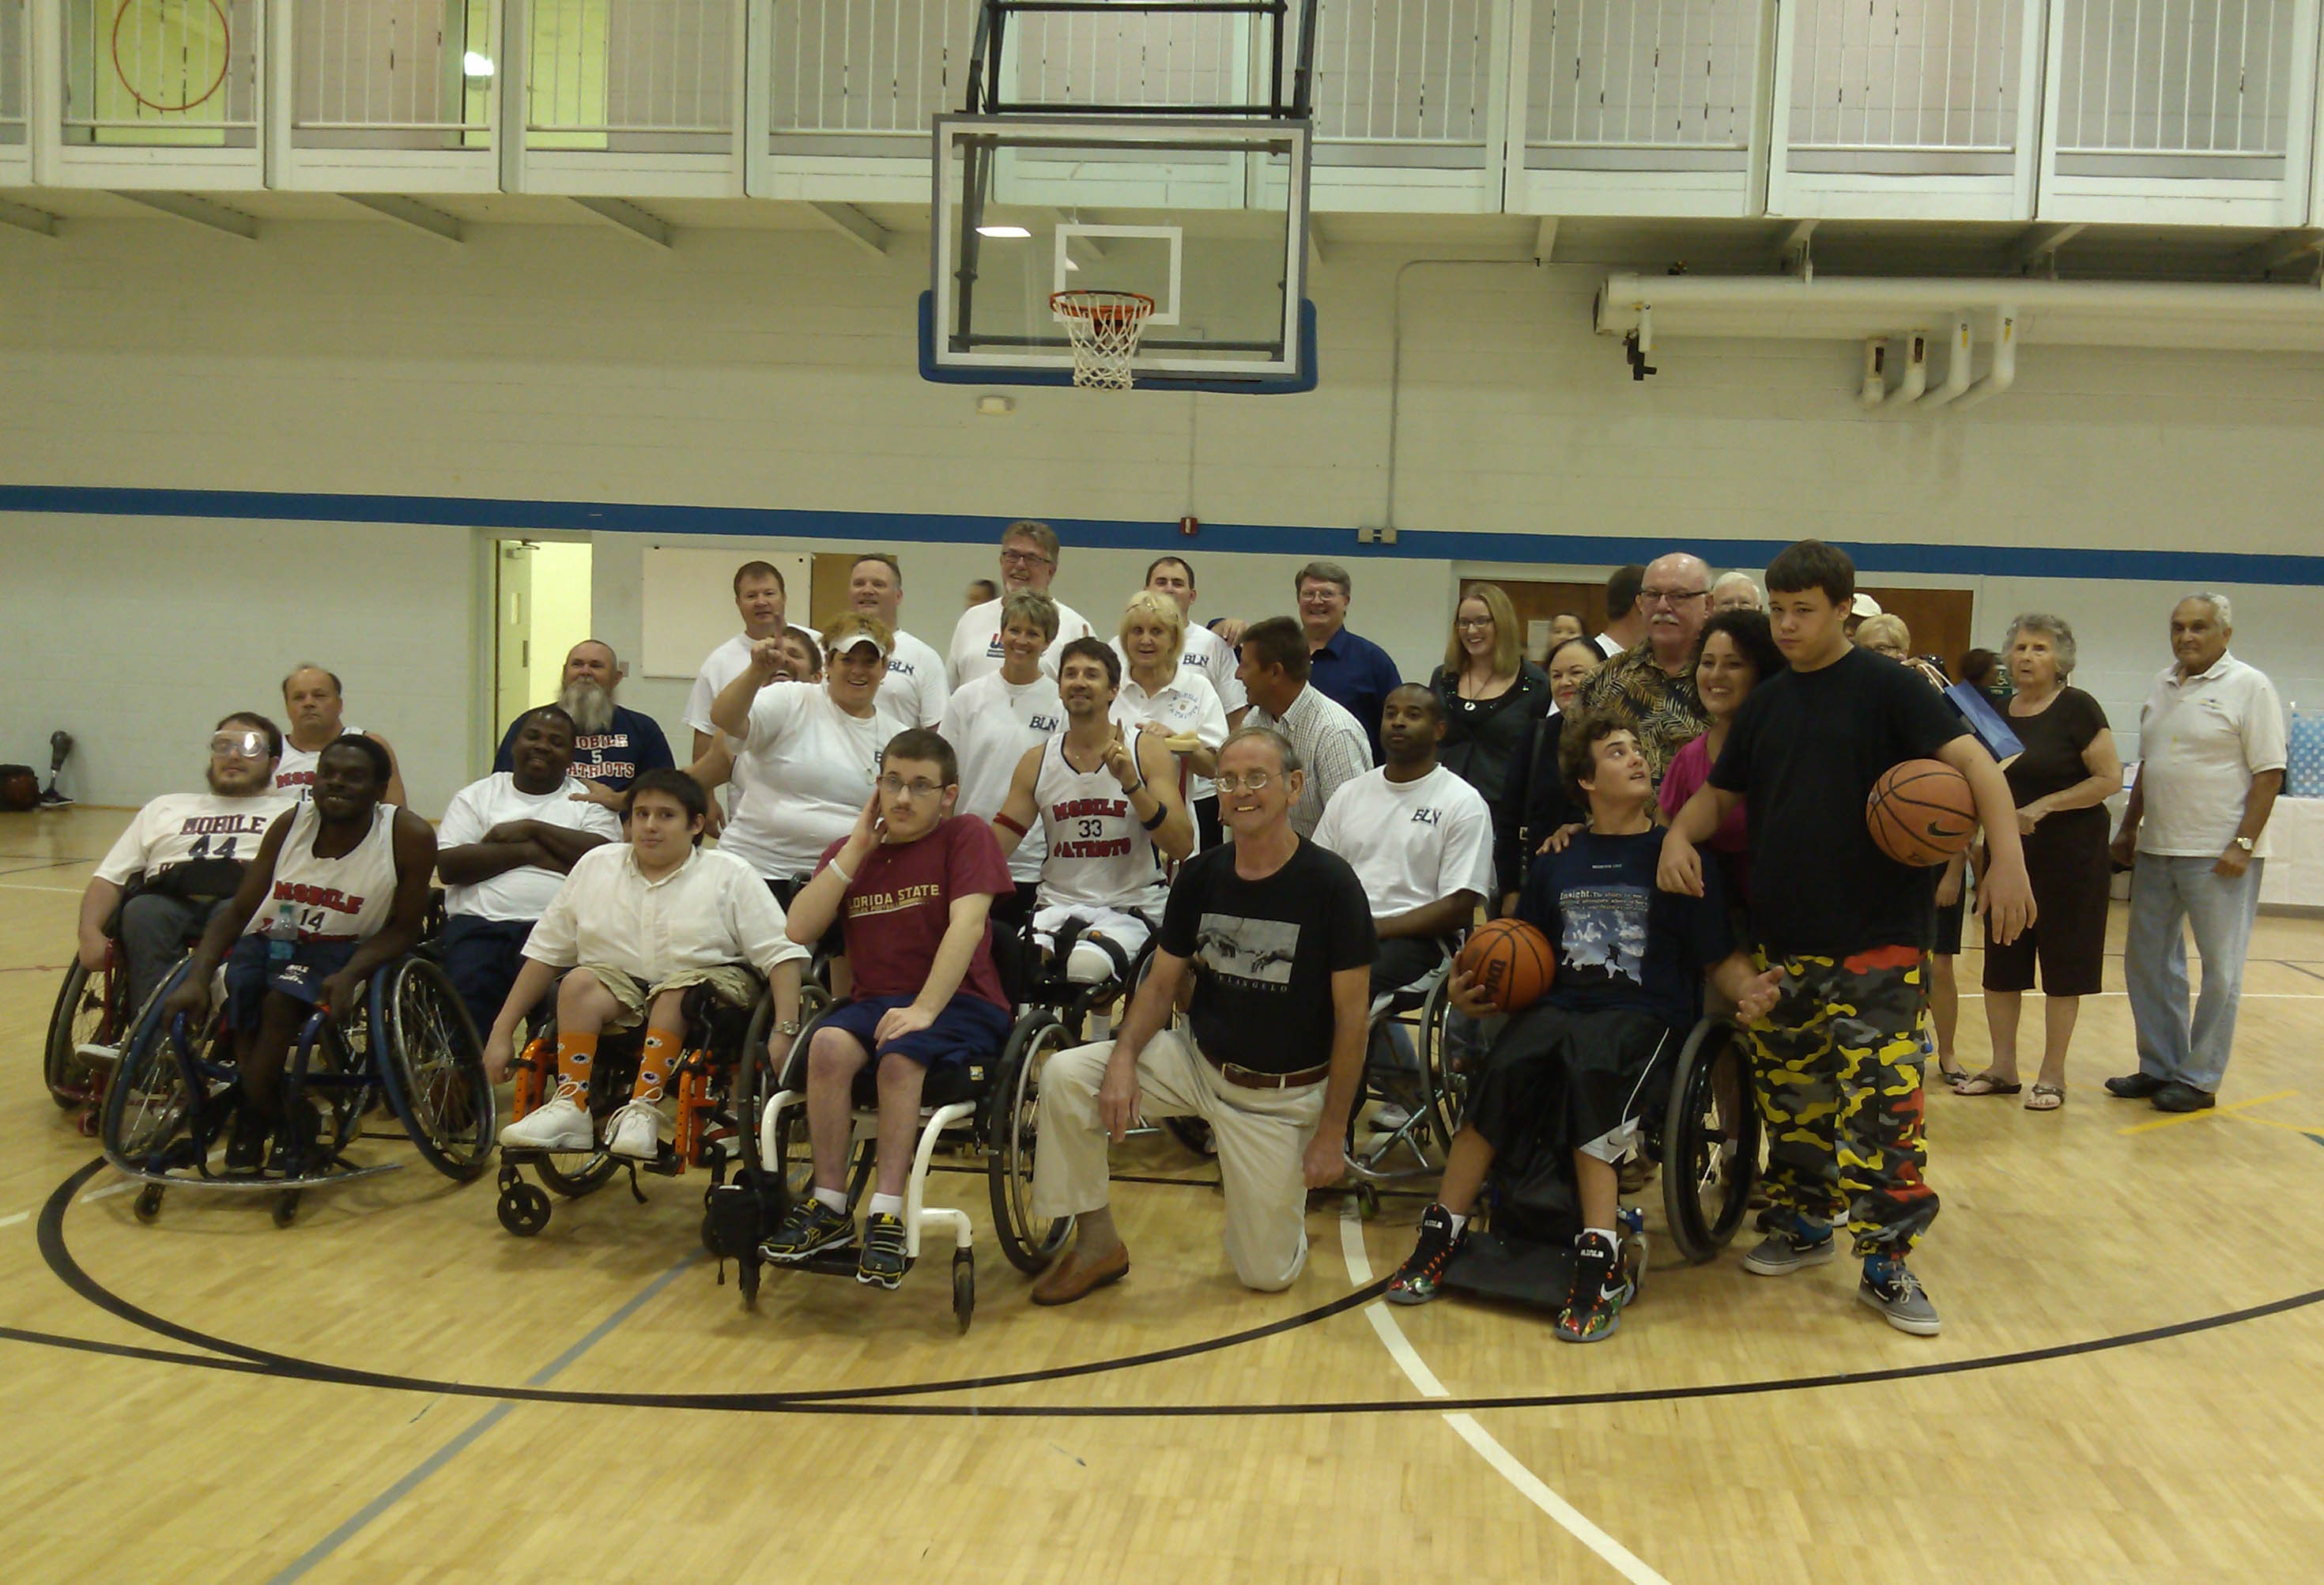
2060,783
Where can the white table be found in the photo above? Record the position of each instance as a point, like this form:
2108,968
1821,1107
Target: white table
2294,876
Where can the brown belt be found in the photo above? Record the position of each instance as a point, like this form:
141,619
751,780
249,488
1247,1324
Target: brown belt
1234,1073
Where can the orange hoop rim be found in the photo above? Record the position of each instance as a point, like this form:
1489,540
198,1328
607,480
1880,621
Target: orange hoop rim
1101,305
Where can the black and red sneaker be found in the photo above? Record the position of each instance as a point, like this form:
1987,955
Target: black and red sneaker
1415,1281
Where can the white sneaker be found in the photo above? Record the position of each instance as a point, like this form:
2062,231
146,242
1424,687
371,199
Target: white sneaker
90,1052
558,1126
637,1132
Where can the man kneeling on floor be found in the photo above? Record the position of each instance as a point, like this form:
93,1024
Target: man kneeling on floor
1278,934
1572,1072
912,886
636,925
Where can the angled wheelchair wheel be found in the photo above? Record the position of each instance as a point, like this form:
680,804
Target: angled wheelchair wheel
432,1066
1710,1142
151,1094
1014,1117
78,1016
1448,1074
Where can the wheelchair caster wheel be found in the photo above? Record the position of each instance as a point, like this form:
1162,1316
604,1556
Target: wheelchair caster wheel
286,1208
87,1122
523,1209
746,1277
148,1202
1367,1200
1634,1261
964,1287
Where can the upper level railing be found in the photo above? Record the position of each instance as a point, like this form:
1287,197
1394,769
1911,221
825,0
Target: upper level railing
393,73
161,72
1642,74
868,66
1872,77
2187,77
633,74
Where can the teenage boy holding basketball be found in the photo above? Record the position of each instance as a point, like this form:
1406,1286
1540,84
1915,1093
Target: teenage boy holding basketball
1839,1058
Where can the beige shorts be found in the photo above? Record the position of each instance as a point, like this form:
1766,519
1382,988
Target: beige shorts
732,983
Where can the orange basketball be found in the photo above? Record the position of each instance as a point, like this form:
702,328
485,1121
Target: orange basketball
1920,812
1510,961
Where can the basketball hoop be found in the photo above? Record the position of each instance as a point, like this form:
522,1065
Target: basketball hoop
1105,327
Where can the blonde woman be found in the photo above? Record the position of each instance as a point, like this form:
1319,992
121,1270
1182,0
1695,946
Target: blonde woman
1161,694
1492,698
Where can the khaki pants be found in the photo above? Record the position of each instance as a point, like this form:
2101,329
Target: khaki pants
1261,1136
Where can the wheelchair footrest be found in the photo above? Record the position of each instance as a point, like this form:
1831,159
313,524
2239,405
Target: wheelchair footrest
829,1263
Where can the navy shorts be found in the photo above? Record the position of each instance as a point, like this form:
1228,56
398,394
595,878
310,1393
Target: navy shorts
970,1029
248,978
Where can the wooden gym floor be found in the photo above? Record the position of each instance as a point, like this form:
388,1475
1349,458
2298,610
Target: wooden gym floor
395,1389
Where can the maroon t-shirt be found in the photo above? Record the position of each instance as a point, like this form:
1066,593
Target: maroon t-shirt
895,913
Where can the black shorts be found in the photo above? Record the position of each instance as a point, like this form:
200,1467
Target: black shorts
1554,1081
1949,927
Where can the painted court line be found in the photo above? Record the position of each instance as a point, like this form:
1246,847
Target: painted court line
412,1479
1488,1447
11,1221
33,886
2189,1117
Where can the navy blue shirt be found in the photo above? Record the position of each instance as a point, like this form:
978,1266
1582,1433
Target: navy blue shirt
1621,941
1357,675
614,758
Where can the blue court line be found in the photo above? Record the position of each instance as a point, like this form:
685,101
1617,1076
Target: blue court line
459,1444
1952,560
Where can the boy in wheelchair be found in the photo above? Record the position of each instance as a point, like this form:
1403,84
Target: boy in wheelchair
635,926
1109,805
912,886
338,888
1567,1077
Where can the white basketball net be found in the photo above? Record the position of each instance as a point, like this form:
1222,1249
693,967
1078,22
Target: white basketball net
1105,327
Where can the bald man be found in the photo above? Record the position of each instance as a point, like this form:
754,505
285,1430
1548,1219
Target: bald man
612,747
1654,680
315,705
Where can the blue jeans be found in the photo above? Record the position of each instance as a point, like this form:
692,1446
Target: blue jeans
2166,894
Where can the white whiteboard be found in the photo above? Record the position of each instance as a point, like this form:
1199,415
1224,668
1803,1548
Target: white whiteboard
686,600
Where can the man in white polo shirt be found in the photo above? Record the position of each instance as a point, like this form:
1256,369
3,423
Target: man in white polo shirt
2211,746
916,687
1028,561
761,601
1417,836
504,848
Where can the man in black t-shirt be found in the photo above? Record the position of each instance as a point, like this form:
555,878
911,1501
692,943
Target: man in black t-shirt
1570,1074
1840,1057
1279,936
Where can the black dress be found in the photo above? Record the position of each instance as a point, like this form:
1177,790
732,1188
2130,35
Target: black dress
1488,744
2065,857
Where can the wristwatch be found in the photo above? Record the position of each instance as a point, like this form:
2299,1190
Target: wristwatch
2247,843
788,1027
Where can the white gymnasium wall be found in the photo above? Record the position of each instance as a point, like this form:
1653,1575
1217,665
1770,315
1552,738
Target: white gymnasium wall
774,369
135,634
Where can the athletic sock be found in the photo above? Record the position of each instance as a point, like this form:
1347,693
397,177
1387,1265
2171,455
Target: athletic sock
1458,1220
831,1200
660,1053
887,1205
575,1054
1613,1240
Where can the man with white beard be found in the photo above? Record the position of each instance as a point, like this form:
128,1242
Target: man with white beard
612,747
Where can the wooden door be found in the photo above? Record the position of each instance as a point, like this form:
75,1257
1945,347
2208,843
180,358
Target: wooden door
1939,619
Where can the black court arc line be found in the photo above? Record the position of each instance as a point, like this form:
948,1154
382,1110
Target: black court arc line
252,1361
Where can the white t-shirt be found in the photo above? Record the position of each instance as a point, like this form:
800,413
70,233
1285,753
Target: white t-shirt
914,690
1188,705
989,724
807,767
1607,645
976,641
524,892
294,772
1411,842
2200,741
719,667
1212,655
179,826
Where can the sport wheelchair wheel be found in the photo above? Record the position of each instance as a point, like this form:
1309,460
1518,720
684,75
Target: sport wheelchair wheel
80,1016
1710,1142
151,1095
432,1067
1013,1116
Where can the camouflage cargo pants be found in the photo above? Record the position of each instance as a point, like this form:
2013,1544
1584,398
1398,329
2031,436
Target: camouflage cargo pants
1837,1063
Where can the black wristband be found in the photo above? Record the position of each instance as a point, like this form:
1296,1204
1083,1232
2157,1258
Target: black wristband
1161,814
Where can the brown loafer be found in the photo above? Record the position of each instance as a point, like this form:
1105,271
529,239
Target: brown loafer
1070,1277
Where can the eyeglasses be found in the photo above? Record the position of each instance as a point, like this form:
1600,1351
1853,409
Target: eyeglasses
1670,597
896,787
239,745
1470,621
1023,558
1255,783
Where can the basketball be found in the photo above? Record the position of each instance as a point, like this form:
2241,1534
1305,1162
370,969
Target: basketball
1920,812
1510,961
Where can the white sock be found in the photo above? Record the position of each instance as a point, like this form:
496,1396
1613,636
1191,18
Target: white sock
1613,1240
1457,1220
834,1199
887,1205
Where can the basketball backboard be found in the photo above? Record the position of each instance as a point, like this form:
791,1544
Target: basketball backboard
1206,215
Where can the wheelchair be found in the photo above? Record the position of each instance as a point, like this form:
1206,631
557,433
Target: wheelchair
990,1108
720,1038
406,1045
91,1010
1709,1140
1408,1065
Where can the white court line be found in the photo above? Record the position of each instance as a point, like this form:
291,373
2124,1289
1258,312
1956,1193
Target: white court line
12,1219
33,886
1488,1447
123,1187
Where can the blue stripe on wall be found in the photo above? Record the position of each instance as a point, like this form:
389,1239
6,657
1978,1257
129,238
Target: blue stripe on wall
2181,566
